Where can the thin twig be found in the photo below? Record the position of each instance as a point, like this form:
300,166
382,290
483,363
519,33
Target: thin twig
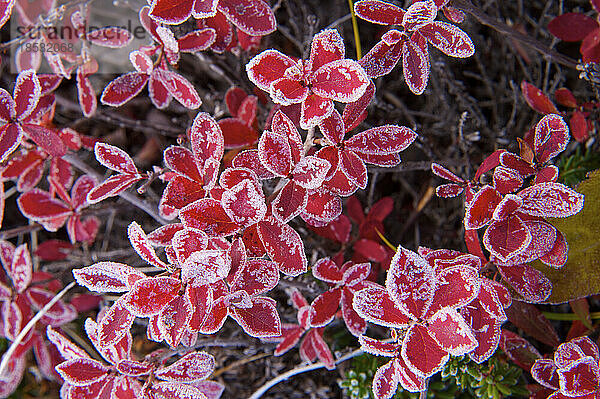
127,196
467,6
299,370
13,346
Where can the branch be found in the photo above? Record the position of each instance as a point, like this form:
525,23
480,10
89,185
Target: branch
13,346
467,6
127,196
299,370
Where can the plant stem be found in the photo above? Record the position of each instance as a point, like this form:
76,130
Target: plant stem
355,30
568,316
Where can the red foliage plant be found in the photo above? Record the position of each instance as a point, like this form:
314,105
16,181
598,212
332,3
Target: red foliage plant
228,211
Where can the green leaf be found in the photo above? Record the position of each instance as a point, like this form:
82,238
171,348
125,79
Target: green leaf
578,278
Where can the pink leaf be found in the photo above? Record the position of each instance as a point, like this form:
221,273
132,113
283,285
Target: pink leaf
110,36
85,94
419,13
38,205
67,349
10,138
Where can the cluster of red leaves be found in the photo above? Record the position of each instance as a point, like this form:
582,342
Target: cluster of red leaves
575,27
22,293
119,375
580,122
514,206
410,33
436,305
573,371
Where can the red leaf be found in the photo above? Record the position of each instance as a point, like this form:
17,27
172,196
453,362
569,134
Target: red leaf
26,93
182,90
85,94
236,133
267,67
253,17
388,139
206,267
20,271
201,298
456,287
537,99
326,270
208,215
579,127
115,323
124,88
422,354
325,306
379,12
82,371
261,320
532,321
507,238
419,13
580,377
451,332
479,211
287,91
572,26
139,241
341,80
46,138
378,348
114,158
530,283
551,200
314,110
111,187
415,64
519,350
375,305
67,349
386,378
149,296
544,372
256,277
171,13
192,367
326,46
38,205
448,38
410,282
174,390
322,206
565,97
382,58
551,137
284,246
173,320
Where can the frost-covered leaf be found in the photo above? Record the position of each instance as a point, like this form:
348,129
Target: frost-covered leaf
107,277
